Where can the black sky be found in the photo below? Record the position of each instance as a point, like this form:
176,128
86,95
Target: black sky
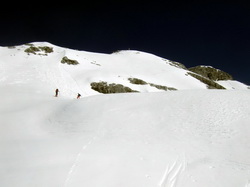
195,33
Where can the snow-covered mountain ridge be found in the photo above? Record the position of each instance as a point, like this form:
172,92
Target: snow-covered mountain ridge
193,137
74,71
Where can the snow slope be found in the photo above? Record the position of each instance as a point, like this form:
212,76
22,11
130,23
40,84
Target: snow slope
192,137
19,67
233,84
184,138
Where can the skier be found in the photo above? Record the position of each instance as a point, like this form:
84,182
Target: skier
57,91
78,96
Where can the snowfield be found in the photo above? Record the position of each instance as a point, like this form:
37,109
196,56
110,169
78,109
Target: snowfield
193,137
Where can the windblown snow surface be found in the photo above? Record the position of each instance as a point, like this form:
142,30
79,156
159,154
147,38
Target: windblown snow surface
193,137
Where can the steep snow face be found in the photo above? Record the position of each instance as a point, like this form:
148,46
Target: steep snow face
21,67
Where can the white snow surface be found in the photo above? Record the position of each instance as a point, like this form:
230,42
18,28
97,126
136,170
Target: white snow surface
192,137
233,84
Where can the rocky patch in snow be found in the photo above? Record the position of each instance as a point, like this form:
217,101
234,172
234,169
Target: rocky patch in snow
211,73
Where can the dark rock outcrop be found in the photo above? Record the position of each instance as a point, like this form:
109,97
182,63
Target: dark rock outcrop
211,73
105,88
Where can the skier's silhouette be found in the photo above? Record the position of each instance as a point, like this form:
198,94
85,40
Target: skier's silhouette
78,96
57,91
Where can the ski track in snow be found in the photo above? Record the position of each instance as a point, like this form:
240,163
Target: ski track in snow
78,156
76,161
173,173
59,77
247,184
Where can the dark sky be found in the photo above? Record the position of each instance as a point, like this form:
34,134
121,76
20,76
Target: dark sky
194,33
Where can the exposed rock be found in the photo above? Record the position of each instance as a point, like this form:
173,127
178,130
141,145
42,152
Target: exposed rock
211,73
160,87
142,82
32,49
137,81
210,83
66,60
177,64
105,88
